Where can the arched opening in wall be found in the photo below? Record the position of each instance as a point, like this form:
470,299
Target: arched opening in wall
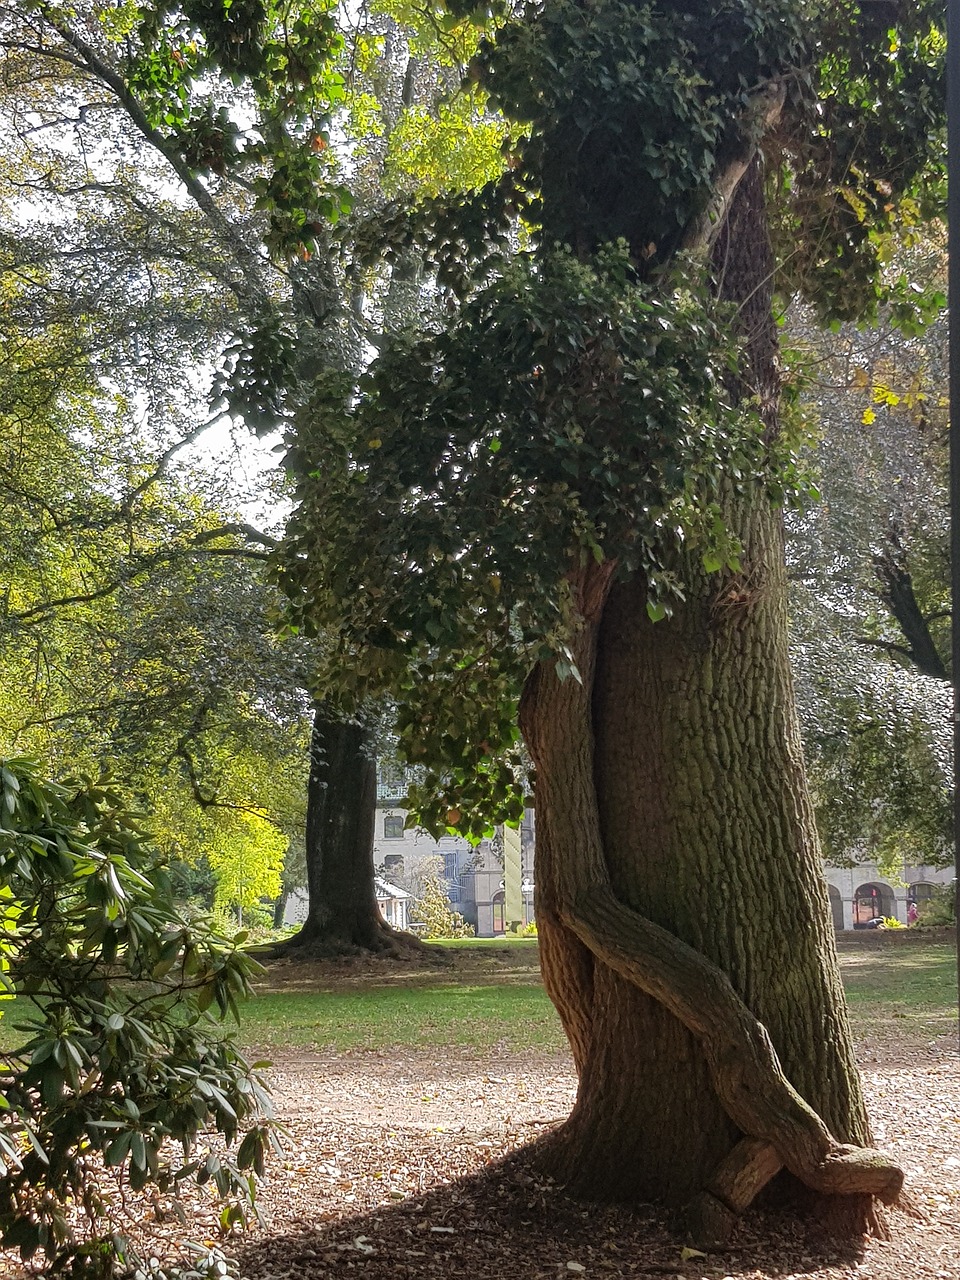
872,902
836,907
918,895
920,892
499,919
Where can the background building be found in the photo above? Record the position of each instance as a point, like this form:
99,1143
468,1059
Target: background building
863,893
476,877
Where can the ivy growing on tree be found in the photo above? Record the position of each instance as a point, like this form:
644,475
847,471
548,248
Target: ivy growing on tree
557,504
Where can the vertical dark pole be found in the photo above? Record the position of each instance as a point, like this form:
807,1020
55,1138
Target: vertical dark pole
953,217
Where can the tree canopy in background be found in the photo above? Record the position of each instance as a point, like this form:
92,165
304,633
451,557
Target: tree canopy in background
136,622
870,584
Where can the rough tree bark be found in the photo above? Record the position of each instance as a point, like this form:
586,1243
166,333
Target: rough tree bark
683,916
342,914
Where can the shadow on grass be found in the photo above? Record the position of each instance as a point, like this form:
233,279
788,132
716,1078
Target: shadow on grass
509,1221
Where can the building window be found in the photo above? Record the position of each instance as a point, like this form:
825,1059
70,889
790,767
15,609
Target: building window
393,827
393,865
872,902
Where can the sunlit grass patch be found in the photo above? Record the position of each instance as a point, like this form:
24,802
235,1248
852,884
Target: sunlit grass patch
478,1017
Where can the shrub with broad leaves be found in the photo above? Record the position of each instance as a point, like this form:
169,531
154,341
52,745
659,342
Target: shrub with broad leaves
119,1062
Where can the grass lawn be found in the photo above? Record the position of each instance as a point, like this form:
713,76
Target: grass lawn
496,1000
468,944
480,1017
912,988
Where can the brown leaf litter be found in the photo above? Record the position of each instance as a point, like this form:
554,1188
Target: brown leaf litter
409,1165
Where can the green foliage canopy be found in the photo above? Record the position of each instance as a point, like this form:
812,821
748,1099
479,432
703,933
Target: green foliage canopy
578,401
134,623
870,568
473,461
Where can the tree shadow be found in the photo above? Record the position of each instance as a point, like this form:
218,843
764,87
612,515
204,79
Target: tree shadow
510,1221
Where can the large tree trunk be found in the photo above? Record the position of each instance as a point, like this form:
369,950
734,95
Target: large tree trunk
683,916
342,913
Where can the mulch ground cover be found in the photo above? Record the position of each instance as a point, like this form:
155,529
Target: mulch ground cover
415,1165
398,1170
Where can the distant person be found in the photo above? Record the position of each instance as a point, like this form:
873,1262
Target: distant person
913,914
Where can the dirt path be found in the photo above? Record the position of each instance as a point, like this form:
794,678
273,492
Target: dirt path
388,1176
399,1166
394,1170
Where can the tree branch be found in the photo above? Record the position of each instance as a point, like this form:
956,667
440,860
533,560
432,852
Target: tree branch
760,116
203,801
898,594
164,460
238,529
43,612
251,288
888,646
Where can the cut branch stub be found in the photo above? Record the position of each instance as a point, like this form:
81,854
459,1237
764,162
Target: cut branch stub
736,1183
744,1067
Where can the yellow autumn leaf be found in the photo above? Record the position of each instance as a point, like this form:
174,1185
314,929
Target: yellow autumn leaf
686,1253
868,418
883,395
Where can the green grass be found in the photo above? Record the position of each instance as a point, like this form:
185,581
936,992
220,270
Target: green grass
475,1017
914,988
910,992
505,940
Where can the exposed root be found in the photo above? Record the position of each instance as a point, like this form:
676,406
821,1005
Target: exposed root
839,1217
739,1179
744,1067
384,942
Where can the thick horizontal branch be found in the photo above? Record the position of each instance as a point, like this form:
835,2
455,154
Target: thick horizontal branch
139,569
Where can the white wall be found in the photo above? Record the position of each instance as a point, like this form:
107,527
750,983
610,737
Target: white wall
848,879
